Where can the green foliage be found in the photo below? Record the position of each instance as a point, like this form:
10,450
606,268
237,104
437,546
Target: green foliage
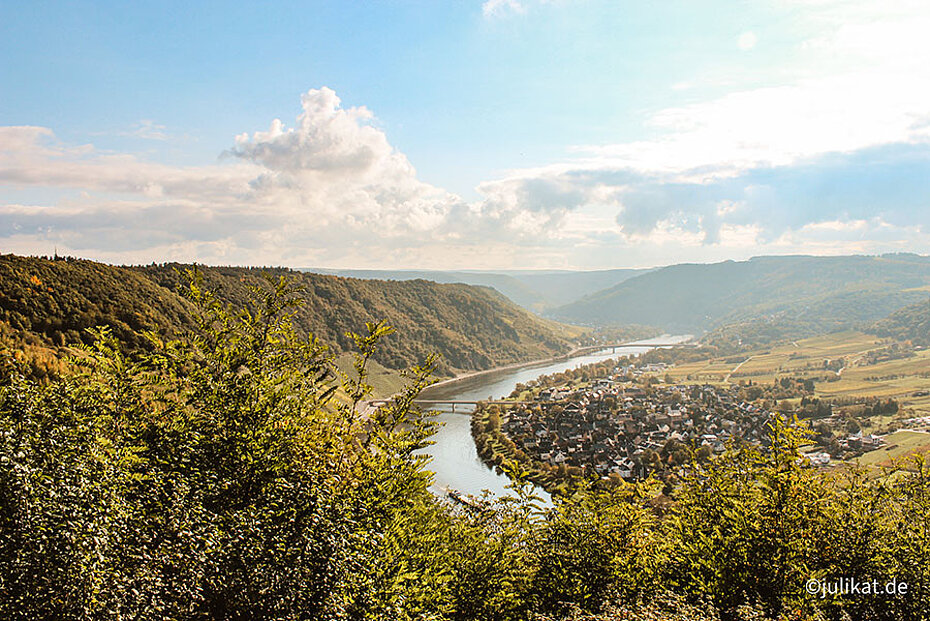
471,328
911,323
58,300
597,546
733,513
216,477
212,477
492,564
47,307
753,527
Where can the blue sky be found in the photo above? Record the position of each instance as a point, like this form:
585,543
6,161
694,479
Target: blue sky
500,134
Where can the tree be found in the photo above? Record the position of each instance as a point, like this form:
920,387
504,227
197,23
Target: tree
209,476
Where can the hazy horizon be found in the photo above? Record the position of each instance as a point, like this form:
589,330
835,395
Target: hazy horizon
490,136
505,271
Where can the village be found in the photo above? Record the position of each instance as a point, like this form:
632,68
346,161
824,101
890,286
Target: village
630,425
613,427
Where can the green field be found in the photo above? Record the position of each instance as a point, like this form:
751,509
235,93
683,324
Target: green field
385,382
806,358
898,445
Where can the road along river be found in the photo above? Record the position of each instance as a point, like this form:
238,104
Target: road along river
454,457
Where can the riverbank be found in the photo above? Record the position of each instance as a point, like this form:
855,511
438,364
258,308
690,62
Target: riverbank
453,454
496,450
550,360
509,367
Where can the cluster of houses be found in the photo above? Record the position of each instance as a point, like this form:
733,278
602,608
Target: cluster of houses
609,426
818,458
849,445
854,444
920,422
861,443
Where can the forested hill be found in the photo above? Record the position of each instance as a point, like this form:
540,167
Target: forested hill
471,327
911,323
509,286
796,295
52,301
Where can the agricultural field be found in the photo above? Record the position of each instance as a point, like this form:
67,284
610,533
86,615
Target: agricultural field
898,445
712,371
895,378
838,363
843,365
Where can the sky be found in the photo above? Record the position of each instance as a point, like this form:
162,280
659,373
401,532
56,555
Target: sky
503,134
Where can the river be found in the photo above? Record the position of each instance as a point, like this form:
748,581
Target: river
454,459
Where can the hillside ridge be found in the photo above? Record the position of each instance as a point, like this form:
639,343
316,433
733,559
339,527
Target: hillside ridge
799,295
51,302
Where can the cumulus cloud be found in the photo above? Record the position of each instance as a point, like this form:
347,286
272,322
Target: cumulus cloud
543,199
331,186
338,168
887,185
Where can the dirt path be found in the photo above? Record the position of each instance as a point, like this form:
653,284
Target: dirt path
736,368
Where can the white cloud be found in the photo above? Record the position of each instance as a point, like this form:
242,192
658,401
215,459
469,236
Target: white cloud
335,167
330,188
747,40
860,84
498,8
862,80
148,129
30,156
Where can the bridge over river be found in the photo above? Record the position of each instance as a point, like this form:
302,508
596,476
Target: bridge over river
453,402
613,347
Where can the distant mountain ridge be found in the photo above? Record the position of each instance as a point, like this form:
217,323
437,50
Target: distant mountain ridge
911,323
51,302
537,290
796,295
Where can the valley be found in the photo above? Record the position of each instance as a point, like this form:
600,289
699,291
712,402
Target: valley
239,384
